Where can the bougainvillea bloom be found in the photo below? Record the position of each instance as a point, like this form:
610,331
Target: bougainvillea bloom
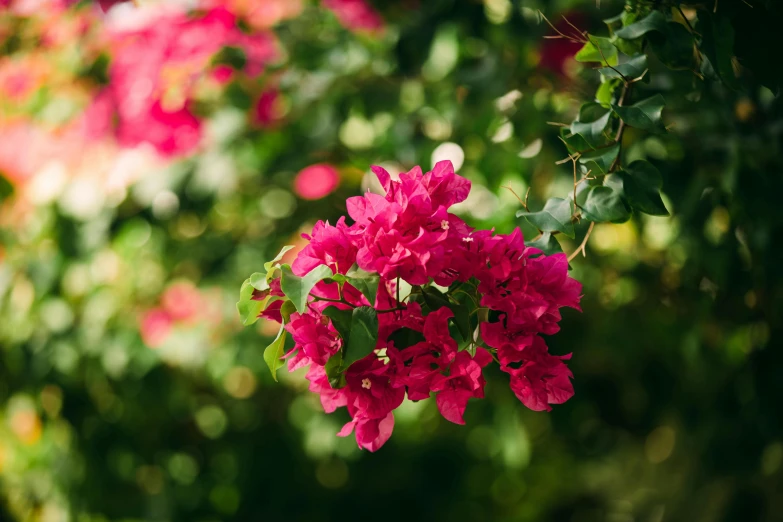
470,297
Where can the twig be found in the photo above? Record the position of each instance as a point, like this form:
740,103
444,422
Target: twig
583,244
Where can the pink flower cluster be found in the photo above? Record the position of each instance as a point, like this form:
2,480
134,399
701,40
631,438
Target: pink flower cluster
160,57
409,235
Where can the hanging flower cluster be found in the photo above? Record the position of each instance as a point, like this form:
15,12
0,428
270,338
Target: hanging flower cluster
411,300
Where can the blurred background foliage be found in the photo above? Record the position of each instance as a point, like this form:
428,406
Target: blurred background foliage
129,389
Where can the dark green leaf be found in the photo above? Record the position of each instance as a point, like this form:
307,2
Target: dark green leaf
718,44
674,48
605,204
593,131
574,142
6,189
341,320
273,354
645,115
546,243
297,289
363,336
600,161
556,216
655,21
598,49
405,337
631,69
640,183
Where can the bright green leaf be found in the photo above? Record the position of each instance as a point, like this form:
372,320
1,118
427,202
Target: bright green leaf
605,204
248,307
259,282
270,265
556,216
645,115
598,49
273,354
605,93
297,289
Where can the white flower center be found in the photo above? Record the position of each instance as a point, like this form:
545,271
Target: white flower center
467,239
444,225
366,383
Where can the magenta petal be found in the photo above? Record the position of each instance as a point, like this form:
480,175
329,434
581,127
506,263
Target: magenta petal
452,404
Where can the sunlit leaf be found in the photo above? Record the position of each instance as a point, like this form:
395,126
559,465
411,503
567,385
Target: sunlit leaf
297,289
598,49
273,354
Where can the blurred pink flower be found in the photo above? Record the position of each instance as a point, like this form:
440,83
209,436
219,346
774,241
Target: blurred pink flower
182,301
356,15
269,109
316,181
155,327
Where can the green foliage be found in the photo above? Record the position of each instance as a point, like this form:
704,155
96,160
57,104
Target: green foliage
640,184
554,217
298,289
644,114
273,354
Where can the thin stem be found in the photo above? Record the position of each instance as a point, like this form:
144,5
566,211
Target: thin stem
584,243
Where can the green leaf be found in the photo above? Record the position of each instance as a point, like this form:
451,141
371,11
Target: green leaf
363,336
605,204
270,266
546,243
248,307
273,354
297,289
718,44
405,337
258,281
600,161
631,69
592,132
574,142
605,93
341,320
655,21
645,115
640,183
598,49
334,371
556,216
6,189
672,42
365,282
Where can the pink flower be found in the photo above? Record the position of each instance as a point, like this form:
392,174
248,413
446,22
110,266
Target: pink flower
356,15
268,109
409,232
542,379
371,434
315,339
331,398
182,301
155,327
463,382
329,245
316,181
